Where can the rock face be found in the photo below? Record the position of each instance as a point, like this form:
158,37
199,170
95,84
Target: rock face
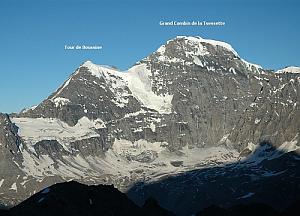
193,104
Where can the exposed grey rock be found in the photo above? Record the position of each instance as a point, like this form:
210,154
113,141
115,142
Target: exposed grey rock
89,96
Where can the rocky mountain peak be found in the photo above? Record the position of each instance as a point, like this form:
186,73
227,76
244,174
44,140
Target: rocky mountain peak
192,52
203,44
185,48
96,69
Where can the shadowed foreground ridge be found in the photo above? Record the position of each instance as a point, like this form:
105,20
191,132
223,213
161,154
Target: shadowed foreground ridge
250,210
73,198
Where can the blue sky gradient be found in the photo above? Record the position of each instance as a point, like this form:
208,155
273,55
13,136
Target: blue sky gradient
34,63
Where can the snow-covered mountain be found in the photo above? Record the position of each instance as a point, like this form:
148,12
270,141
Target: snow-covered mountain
192,104
291,69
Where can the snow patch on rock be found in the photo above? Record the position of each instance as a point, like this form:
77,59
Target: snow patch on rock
33,130
252,67
197,61
248,195
60,101
139,83
14,187
1,182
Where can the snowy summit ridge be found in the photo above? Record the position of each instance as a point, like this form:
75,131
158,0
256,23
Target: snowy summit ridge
197,39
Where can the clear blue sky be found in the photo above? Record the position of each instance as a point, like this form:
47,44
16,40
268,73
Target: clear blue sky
33,62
